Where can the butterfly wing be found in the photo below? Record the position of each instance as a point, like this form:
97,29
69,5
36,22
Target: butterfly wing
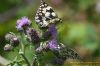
45,15
67,53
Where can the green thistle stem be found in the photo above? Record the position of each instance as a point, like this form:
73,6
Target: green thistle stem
22,54
22,50
22,43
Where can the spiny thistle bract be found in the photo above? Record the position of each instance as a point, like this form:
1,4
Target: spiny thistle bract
45,17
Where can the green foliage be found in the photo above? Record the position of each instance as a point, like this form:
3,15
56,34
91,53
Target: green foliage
8,4
79,33
84,4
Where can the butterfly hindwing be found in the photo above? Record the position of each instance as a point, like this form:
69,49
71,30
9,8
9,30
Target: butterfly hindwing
66,53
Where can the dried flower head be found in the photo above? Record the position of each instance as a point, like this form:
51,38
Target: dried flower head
32,35
23,24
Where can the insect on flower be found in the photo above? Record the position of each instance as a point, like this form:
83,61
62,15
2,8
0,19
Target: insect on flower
67,53
46,15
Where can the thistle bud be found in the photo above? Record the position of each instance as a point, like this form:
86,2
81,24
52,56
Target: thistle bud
9,36
15,41
32,35
8,47
12,38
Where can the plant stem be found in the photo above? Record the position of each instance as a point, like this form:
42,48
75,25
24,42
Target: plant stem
22,43
22,50
22,54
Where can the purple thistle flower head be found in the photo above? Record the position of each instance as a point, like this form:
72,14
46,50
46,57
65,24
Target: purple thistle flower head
53,44
23,23
52,29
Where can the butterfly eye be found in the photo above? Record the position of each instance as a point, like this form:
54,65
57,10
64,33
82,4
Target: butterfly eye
46,15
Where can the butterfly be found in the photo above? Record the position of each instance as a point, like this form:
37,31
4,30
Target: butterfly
66,52
45,15
61,51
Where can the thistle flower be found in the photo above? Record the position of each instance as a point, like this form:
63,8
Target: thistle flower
50,33
52,29
32,35
53,45
23,24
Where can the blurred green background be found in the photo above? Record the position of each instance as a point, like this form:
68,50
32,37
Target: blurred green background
80,28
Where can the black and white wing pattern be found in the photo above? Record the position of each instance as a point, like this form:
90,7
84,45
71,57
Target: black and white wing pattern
46,15
67,53
64,53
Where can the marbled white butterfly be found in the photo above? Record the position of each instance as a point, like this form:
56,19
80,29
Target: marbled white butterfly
46,15
67,53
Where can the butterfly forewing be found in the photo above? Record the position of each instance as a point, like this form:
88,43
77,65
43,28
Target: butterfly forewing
45,15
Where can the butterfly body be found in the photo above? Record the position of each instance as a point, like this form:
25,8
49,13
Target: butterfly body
46,15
